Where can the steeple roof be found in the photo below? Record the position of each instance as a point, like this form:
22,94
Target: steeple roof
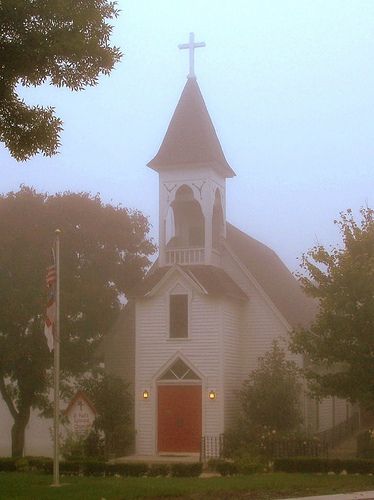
191,138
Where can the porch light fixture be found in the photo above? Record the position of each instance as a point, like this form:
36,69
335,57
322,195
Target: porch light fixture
212,395
145,394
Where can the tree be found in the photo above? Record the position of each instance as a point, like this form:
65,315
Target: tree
65,43
104,252
270,403
339,345
113,404
274,384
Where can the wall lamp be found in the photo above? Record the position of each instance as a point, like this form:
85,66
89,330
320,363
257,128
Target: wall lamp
146,394
212,395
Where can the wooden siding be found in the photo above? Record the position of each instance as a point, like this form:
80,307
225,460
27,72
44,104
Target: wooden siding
119,355
232,330
154,349
262,323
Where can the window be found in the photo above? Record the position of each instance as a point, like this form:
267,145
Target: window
179,371
178,316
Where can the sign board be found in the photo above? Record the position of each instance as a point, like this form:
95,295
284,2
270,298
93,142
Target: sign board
81,414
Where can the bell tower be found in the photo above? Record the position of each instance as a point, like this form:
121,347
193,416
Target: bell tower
192,181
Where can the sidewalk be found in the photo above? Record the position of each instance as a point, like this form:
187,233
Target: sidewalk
358,495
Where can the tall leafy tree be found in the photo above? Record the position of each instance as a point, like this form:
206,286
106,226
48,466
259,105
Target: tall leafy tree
274,384
113,403
340,343
270,404
104,252
64,43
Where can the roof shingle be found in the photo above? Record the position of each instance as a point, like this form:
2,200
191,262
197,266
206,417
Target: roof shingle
191,138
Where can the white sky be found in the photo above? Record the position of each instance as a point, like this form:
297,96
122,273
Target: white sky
290,89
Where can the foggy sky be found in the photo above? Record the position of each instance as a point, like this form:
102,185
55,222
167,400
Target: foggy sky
290,89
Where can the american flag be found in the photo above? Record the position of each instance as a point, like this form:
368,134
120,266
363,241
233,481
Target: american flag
51,305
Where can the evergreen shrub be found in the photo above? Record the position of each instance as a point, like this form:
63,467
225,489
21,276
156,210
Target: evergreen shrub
226,468
186,469
155,470
365,444
248,464
7,464
135,469
310,465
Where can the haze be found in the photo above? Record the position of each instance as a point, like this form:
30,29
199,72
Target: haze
290,89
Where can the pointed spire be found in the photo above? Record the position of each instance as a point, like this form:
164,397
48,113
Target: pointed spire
191,138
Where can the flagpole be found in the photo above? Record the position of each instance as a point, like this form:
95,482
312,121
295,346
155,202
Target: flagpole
56,359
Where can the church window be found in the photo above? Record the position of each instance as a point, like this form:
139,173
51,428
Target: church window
178,313
179,371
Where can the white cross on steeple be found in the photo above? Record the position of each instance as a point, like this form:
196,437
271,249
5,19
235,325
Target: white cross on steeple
191,46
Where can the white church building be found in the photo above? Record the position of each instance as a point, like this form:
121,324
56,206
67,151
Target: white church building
210,306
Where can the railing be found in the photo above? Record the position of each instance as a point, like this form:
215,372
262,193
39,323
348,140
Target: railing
339,432
287,448
211,447
185,256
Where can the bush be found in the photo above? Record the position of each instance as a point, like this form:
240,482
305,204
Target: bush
213,463
113,403
39,463
365,444
83,446
127,469
226,468
249,465
7,464
22,464
303,464
155,470
186,469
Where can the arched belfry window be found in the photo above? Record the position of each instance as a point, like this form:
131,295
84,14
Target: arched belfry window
179,370
188,220
218,221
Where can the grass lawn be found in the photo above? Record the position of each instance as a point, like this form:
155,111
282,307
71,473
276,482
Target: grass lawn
33,486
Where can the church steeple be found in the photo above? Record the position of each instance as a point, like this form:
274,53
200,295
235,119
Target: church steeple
192,173
191,138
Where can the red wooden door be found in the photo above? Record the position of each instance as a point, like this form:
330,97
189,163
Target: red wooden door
179,418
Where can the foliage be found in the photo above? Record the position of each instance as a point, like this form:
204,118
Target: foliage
113,404
302,464
225,467
249,464
365,444
186,469
134,469
63,43
104,253
158,470
340,343
82,446
274,384
7,464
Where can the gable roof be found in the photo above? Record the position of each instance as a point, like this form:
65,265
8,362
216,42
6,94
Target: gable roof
191,138
273,276
214,280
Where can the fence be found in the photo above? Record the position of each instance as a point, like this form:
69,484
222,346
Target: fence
338,433
211,447
287,448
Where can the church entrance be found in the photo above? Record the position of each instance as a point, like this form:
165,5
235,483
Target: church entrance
179,410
